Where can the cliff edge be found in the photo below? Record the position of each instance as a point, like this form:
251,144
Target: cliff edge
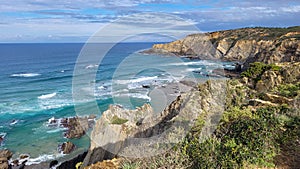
143,132
247,45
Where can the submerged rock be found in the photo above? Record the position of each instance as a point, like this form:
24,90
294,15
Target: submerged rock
1,140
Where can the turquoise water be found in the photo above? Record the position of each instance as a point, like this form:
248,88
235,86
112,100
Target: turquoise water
36,84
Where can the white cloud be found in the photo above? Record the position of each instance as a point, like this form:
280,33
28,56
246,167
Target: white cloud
36,19
138,25
291,9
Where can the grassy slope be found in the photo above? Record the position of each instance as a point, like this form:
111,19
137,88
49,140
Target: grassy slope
247,136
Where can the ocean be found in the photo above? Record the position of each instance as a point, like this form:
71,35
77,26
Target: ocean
36,85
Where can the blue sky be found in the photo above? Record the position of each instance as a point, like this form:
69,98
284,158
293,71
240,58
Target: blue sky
77,20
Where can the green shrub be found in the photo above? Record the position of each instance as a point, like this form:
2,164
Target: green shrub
256,69
117,120
243,137
170,159
130,165
288,90
237,113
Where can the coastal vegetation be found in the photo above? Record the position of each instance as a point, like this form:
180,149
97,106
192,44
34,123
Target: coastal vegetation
256,69
260,126
248,136
116,120
260,134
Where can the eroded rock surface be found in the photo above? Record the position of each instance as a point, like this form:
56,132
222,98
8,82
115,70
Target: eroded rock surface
247,45
136,133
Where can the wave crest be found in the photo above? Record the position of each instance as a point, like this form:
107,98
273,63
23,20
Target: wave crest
25,75
47,96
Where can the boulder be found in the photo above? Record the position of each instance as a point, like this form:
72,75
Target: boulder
1,140
53,163
24,156
268,81
76,127
15,162
106,164
5,155
66,147
290,71
3,163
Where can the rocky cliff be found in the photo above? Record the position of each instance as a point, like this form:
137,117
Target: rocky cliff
247,45
263,88
143,132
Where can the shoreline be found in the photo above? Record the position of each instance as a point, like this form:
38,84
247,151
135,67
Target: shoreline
171,90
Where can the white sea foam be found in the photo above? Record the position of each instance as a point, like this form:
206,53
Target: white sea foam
140,96
186,63
2,135
202,62
134,95
102,87
56,130
25,75
141,79
193,69
91,66
43,158
47,106
47,96
14,122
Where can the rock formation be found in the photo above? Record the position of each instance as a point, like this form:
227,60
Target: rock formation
75,126
106,164
136,133
247,45
66,147
5,155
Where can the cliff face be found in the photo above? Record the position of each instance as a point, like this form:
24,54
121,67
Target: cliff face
141,133
137,133
268,45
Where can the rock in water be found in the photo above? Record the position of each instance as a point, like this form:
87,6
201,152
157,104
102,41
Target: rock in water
5,155
24,156
2,137
76,126
66,147
53,163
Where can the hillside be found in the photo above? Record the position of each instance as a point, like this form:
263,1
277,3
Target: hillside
252,122
247,45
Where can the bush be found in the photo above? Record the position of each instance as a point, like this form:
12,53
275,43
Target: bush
117,120
171,159
242,138
256,69
288,90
